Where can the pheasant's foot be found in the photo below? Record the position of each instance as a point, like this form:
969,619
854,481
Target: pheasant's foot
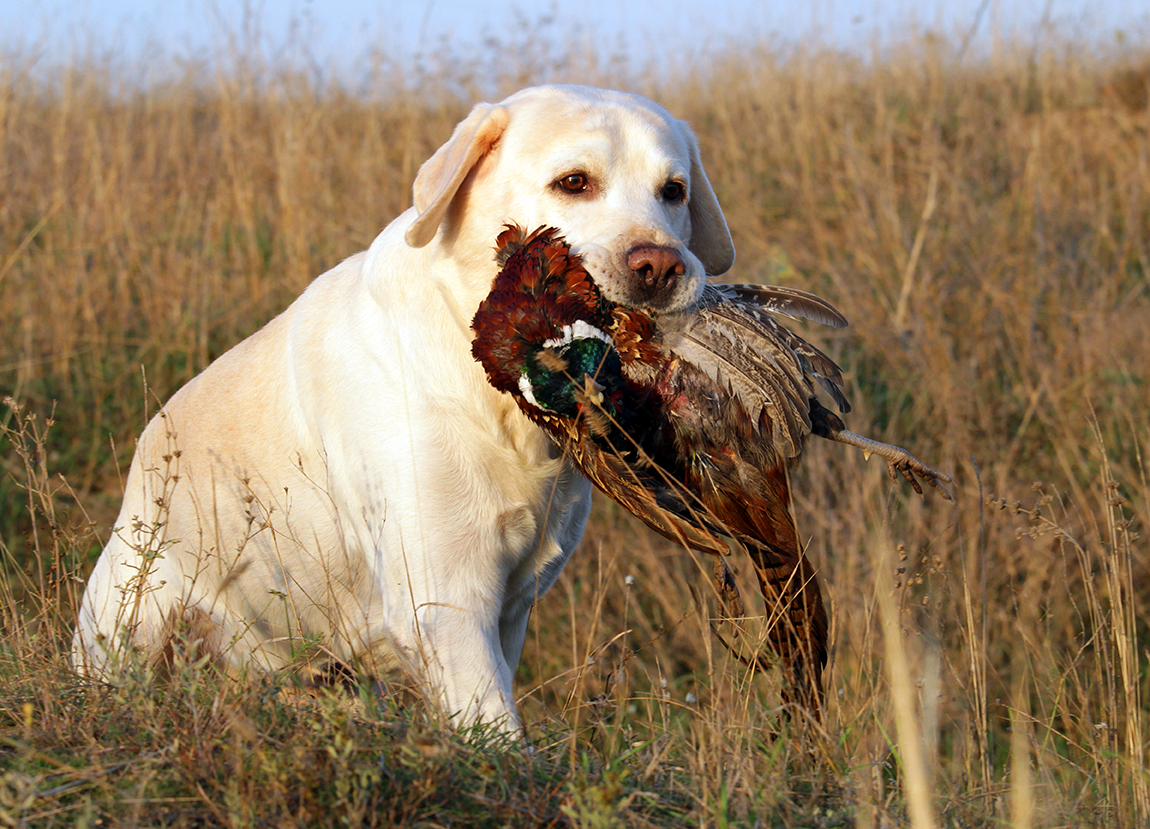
899,461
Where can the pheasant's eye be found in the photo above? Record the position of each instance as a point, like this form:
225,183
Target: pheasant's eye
674,191
573,183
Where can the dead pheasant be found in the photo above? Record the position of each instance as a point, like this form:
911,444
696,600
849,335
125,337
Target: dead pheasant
689,421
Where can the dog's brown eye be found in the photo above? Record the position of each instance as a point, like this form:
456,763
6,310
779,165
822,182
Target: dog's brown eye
574,183
674,191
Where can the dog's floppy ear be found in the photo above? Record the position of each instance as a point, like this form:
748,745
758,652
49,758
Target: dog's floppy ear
710,236
440,176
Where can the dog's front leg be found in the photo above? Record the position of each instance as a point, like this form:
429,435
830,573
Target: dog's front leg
465,666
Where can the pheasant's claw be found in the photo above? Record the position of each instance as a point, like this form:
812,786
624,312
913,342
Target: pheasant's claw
912,466
895,467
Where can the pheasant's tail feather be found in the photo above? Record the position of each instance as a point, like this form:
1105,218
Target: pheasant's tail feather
730,601
797,628
648,493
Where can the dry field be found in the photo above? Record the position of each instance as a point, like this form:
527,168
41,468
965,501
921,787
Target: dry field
984,223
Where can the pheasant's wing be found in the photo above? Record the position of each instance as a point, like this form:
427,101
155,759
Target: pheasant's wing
751,312
749,309
742,349
753,365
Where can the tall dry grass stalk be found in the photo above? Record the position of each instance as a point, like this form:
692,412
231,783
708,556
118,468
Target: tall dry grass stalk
984,225
913,759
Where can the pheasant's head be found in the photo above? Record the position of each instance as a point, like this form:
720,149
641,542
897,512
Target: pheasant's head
543,334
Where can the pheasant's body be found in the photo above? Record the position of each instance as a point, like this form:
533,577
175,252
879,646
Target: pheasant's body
691,424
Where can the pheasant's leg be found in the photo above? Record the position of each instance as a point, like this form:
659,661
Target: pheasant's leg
898,460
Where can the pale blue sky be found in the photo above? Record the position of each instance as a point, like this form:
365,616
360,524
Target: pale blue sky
339,33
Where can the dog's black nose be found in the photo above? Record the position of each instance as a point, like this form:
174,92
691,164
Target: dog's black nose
656,266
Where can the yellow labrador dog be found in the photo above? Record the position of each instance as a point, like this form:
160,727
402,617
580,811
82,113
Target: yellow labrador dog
345,482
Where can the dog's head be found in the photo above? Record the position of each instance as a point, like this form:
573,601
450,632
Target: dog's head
619,176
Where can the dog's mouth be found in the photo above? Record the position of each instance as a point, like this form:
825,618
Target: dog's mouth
661,279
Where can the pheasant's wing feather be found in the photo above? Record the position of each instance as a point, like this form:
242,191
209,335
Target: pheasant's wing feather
755,367
756,322
773,350
787,302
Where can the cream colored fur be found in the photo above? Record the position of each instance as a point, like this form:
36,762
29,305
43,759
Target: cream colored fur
345,482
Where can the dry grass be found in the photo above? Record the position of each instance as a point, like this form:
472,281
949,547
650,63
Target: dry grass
983,224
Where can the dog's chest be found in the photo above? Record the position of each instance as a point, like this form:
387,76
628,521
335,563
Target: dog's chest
539,538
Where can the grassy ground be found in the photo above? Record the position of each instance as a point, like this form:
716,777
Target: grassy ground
985,226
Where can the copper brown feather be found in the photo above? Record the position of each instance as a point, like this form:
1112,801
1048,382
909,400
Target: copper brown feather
691,421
